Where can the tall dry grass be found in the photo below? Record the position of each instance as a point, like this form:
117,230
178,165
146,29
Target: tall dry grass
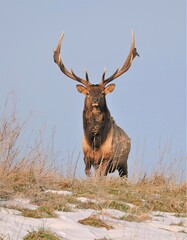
27,170
23,167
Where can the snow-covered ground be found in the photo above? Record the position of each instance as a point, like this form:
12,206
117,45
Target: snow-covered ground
13,226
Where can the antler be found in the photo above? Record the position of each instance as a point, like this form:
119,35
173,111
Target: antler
132,54
59,62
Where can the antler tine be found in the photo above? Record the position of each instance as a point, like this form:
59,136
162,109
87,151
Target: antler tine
103,77
86,73
58,61
132,54
103,81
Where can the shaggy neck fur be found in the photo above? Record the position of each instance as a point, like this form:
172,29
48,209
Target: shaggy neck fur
97,124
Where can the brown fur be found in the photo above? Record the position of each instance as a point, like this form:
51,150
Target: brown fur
105,145
111,155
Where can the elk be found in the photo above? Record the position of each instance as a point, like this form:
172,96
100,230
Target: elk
105,145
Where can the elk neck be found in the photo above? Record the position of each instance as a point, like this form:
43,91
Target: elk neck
97,123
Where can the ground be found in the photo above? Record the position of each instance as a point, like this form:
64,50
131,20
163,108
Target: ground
155,225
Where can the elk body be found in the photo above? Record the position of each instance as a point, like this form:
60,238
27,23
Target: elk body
105,145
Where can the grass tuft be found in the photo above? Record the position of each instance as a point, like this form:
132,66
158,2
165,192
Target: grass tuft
121,206
105,238
40,212
42,234
136,218
56,201
180,215
94,221
180,224
4,237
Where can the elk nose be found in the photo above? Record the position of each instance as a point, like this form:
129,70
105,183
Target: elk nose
95,100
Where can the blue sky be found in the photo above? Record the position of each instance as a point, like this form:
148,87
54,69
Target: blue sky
149,101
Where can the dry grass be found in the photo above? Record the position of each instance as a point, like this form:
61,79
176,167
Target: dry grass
23,167
94,221
54,201
181,215
150,194
26,171
136,218
180,224
4,237
41,233
41,212
105,238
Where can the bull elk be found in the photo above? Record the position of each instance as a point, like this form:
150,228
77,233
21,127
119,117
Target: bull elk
105,145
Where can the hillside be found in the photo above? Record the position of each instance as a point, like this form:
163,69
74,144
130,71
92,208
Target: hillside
38,202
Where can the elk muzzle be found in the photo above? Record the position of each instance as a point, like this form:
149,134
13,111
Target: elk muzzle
95,102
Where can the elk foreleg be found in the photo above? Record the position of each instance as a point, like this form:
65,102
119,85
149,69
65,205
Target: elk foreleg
87,166
102,169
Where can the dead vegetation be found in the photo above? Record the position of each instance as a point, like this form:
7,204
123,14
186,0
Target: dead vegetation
136,218
40,212
28,171
42,233
95,221
23,168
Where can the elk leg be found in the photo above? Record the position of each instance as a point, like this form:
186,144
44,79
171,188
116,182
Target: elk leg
87,167
101,170
123,172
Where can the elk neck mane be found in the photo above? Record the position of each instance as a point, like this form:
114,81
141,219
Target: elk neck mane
97,124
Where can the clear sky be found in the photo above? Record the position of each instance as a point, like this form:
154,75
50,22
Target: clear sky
149,100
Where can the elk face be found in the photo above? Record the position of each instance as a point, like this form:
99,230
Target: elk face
95,95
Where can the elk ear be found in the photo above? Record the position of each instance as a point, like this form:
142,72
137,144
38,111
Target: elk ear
109,88
81,89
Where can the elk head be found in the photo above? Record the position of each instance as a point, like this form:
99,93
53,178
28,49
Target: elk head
95,93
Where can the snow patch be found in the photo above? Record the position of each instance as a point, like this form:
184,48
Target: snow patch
60,192
162,226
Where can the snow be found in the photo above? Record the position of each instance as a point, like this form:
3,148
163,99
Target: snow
162,226
60,192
